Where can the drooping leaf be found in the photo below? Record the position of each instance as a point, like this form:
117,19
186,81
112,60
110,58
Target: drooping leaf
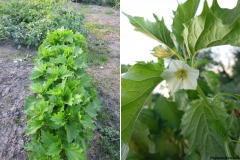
91,110
237,149
156,30
183,14
140,141
147,117
228,16
206,30
169,112
196,128
73,152
137,84
87,122
211,78
72,131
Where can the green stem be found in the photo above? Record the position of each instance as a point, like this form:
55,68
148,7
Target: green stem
226,147
193,57
208,104
234,141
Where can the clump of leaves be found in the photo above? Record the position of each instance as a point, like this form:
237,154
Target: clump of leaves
109,142
61,115
191,124
29,22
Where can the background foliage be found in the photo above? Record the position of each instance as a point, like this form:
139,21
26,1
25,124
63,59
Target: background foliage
28,22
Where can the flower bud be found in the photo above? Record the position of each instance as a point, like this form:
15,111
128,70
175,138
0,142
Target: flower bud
162,52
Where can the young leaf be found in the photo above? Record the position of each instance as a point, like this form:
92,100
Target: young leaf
60,59
73,152
183,14
72,131
156,30
91,110
196,128
169,112
59,118
137,84
36,74
206,30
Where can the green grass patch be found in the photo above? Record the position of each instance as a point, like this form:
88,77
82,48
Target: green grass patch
98,53
109,13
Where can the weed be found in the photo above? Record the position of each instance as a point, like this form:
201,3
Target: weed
17,121
109,142
98,53
109,13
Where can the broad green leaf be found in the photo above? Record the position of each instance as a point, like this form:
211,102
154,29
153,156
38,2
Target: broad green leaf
155,30
228,16
36,88
147,117
77,98
169,112
38,151
42,107
218,127
72,131
91,110
60,59
29,105
64,72
48,139
36,74
140,141
201,62
68,96
137,84
237,149
59,118
77,51
183,14
54,149
33,126
211,78
192,156
196,129
73,152
57,91
87,122
134,156
206,30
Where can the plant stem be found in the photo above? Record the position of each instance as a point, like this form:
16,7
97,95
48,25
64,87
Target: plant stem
208,104
226,147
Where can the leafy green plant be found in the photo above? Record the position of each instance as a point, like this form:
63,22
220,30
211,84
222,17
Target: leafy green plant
196,121
61,115
109,142
29,22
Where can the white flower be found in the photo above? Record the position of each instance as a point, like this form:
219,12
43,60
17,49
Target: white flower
180,76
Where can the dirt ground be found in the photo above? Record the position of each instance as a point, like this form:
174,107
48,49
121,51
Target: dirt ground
15,68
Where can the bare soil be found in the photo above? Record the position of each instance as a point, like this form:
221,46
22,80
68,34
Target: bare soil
15,69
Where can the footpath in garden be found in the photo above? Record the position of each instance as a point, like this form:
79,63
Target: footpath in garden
16,67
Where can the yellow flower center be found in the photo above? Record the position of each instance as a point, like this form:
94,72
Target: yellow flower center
181,74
